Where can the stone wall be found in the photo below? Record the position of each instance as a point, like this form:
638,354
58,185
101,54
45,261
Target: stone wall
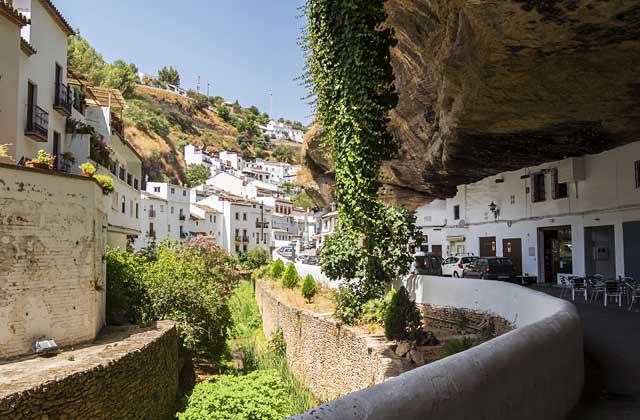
117,378
52,277
330,358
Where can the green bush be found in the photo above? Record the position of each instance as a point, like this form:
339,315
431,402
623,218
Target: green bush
375,310
126,293
348,306
309,288
261,273
254,258
402,319
456,346
290,278
277,268
258,395
147,117
106,183
277,343
192,284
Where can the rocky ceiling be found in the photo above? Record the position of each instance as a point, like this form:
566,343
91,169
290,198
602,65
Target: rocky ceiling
493,85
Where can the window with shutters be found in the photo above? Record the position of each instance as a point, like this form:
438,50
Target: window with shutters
538,191
560,189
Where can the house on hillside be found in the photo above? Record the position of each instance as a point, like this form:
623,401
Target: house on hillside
194,155
281,131
205,222
573,217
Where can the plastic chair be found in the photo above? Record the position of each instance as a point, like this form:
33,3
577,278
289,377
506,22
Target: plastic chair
565,286
613,289
578,285
597,286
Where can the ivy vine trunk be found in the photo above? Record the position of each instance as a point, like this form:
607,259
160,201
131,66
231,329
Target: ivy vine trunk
350,74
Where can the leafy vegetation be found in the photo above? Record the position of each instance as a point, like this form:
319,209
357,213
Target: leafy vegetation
309,288
254,258
286,153
126,292
402,319
147,117
277,268
349,72
374,311
304,201
290,278
197,174
348,306
106,183
169,75
452,347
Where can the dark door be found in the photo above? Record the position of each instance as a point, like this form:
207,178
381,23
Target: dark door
600,251
31,101
512,248
631,239
56,150
437,249
488,246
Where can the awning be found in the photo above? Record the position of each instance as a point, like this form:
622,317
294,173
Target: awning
455,238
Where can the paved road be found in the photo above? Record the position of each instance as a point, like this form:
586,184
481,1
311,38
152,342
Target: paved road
612,350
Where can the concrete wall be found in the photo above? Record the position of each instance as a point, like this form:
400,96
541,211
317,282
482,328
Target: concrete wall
131,378
331,359
9,76
52,277
533,372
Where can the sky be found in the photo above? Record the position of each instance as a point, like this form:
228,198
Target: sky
243,48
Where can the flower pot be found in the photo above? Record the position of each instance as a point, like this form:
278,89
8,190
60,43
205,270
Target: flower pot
30,164
87,174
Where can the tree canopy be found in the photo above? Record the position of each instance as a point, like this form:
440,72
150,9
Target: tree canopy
169,75
197,174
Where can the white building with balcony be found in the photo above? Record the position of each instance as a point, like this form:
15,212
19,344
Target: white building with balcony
281,131
194,155
578,216
205,222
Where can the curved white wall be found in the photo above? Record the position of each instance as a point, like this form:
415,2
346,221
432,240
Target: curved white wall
531,373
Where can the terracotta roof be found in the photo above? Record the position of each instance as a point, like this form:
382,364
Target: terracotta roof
26,47
57,16
196,217
12,14
206,208
107,97
152,196
331,214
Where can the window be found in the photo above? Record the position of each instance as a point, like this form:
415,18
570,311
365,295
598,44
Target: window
123,172
137,210
130,208
237,216
156,189
161,208
237,233
237,248
184,193
244,233
168,228
512,199
151,232
173,190
244,216
244,248
214,219
172,209
560,190
456,212
135,183
210,218
129,179
538,188
124,203
637,165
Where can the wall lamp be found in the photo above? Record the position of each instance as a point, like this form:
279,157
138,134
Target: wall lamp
494,209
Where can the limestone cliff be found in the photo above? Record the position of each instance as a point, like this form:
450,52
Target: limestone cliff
487,86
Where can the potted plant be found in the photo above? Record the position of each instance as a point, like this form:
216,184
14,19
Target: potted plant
88,169
42,161
105,182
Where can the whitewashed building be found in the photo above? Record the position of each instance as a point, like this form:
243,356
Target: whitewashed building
194,155
578,216
232,162
328,223
205,222
281,131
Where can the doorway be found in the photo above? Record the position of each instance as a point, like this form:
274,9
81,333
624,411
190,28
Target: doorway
488,246
599,251
437,249
631,237
512,248
557,252
57,164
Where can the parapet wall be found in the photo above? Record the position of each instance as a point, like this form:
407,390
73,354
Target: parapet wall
330,358
533,372
131,374
52,276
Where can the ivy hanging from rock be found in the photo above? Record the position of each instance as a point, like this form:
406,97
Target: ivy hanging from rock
350,75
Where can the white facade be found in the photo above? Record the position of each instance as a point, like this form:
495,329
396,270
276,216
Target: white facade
578,216
328,224
194,155
281,131
206,221
278,172
232,161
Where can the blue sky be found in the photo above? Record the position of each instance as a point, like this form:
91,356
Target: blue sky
243,48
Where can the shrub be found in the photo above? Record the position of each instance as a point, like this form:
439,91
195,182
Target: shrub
290,278
261,273
348,306
255,258
88,168
244,312
126,293
277,268
197,175
309,288
277,343
456,346
375,310
258,395
191,284
105,182
402,319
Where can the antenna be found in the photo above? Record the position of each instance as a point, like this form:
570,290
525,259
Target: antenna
271,103
208,84
198,85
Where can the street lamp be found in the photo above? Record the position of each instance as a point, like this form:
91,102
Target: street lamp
494,209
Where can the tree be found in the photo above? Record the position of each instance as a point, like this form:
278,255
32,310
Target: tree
290,278
85,59
309,288
254,110
304,201
121,76
284,153
169,75
197,174
402,318
224,113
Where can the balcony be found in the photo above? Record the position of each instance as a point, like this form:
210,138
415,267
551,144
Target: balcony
37,124
262,225
245,239
152,213
63,101
182,217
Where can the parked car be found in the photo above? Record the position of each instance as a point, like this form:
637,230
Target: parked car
287,252
308,259
453,266
426,263
491,268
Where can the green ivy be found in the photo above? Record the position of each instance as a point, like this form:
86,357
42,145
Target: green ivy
350,75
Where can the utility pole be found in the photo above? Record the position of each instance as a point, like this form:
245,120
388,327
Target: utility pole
208,84
198,85
271,104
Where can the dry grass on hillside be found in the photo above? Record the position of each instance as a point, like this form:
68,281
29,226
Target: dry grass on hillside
322,302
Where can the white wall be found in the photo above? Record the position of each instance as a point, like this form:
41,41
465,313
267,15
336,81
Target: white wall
9,85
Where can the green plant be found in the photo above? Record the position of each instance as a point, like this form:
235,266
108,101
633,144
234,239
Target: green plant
309,288
348,306
224,113
277,268
100,151
192,284
304,201
452,347
126,292
258,395
244,312
402,318
254,258
261,273
277,343
169,75
197,174
349,72
290,278
375,310
88,168
105,182
43,158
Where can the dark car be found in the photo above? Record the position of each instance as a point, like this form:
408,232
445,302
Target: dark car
491,268
427,263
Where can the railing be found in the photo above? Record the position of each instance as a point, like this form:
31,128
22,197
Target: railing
245,239
262,224
63,98
182,217
38,123
152,213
